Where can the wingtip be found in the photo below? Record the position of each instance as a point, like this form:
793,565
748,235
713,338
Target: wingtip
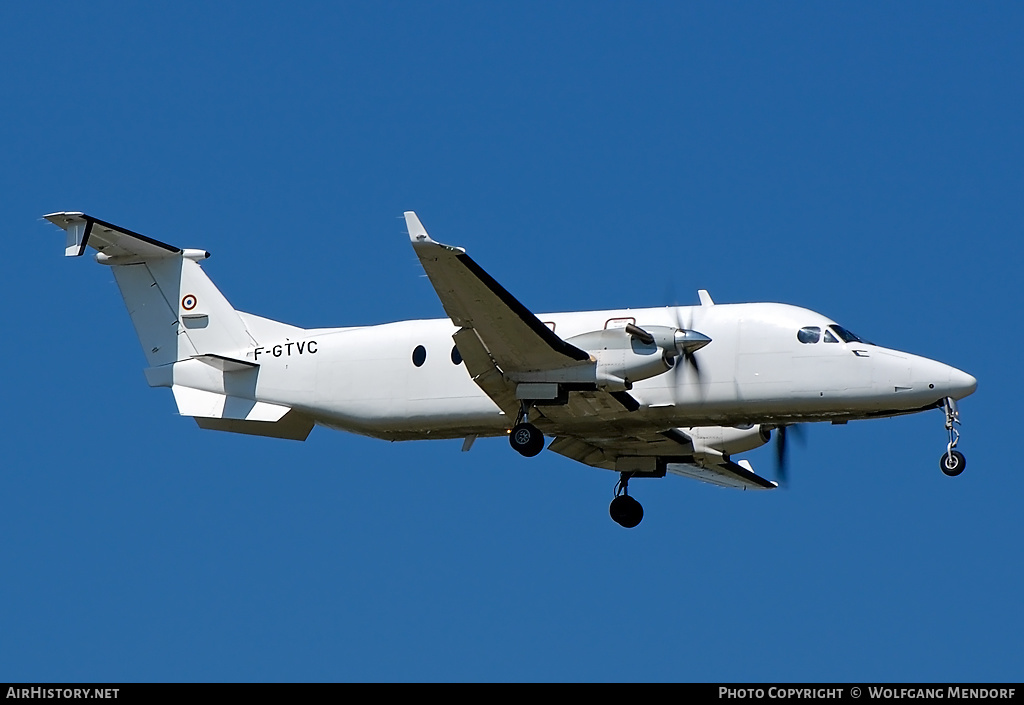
417,233
64,216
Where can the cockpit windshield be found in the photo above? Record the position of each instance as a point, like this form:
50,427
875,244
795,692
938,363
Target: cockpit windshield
847,336
832,334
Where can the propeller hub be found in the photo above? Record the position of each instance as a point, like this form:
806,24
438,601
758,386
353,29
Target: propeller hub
689,341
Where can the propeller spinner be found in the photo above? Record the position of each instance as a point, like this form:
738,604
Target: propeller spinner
676,342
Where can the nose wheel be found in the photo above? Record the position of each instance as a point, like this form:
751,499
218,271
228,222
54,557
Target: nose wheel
952,461
624,510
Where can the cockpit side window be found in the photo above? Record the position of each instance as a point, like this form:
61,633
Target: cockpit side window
809,334
829,338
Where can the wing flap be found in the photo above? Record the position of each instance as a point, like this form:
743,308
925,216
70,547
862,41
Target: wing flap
576,416
657,454
485,373
582,451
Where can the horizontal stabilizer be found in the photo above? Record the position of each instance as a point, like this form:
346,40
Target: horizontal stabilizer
226,364
292,426
195,402
110,240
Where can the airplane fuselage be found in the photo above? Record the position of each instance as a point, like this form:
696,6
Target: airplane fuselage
405,380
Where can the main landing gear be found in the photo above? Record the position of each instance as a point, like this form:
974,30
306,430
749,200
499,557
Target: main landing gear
624,510
952,461
525,438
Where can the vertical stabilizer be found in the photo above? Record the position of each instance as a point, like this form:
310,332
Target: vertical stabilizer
177,311
196,343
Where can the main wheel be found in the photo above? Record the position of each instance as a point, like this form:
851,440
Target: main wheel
626,511
953,463
526,439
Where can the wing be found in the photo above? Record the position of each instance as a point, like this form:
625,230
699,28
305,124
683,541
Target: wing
502,343
724,473
506,347
508,351
655,454
515,338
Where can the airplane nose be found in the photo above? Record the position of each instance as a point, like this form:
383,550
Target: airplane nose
961,384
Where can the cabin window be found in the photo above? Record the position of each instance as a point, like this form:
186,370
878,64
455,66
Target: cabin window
809,334
829,338
419,356
456,355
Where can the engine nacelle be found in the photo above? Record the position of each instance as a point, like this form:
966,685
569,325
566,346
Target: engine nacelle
727,440
620,357
623,359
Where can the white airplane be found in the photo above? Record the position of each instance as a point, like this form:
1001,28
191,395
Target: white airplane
640,392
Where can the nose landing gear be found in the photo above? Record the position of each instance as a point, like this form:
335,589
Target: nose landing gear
952,461
624,510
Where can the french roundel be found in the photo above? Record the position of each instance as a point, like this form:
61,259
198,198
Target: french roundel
188,302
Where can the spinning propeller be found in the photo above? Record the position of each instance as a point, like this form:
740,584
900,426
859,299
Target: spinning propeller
689,350
781,461
688,354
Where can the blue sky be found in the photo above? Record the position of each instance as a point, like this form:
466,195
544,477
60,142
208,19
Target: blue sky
860,159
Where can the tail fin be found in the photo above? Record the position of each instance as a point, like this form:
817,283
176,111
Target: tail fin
177,311
194,340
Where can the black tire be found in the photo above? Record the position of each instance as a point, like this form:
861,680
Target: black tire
526,439
953,463
626,511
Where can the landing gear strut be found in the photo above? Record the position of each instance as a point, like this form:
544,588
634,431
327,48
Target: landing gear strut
624,510
952,461
525,438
